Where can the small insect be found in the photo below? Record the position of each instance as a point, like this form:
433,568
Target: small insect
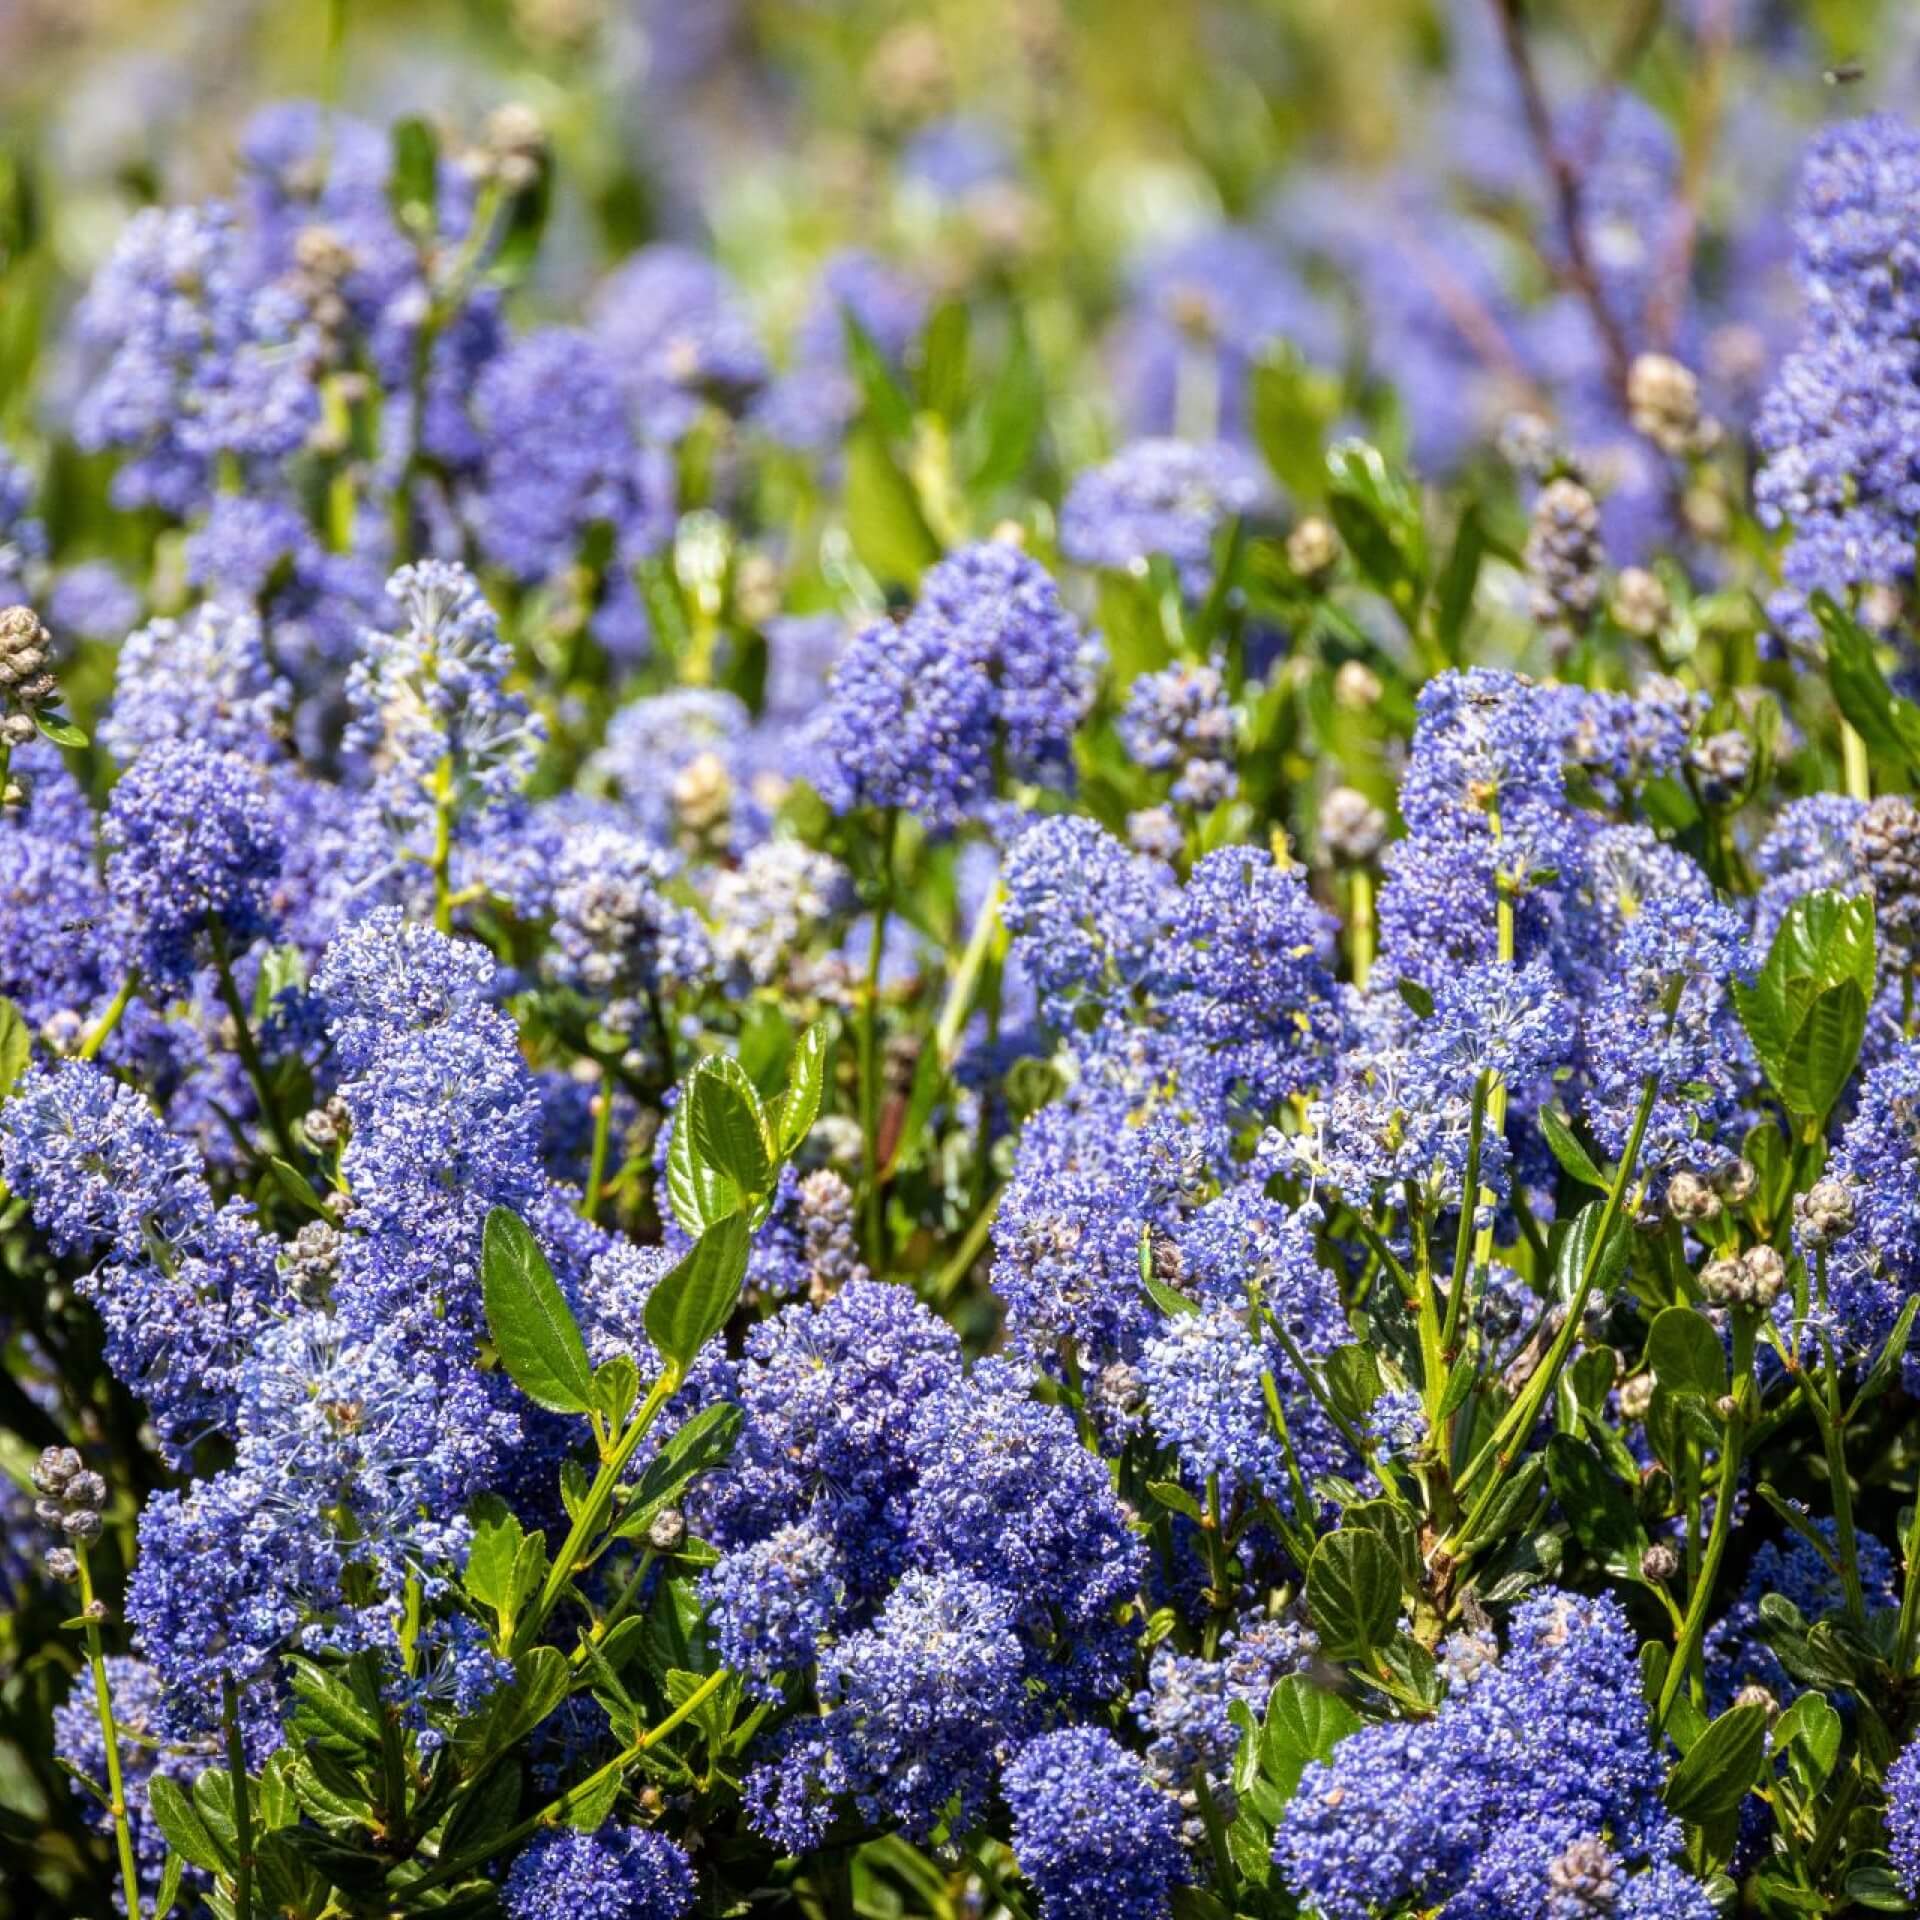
1846,73
77,926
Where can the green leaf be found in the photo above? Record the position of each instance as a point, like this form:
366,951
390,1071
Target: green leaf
694,1299
884,518
413,182
532,1326
294,1184
589,1806
616,1386
1565,1147
16,1046
1809,1733
1888,724
1685,1353
1378,515
484,1812
1417,997
700,1194
63,733
1453,600
694,1448
542,1679
799,1107
168,1890
1176,1499
1353,1591
1293,406
497,1534
944,358
1803,1020
328,1698
1353,1380
1009,418
1821,1056
1877,1887
1304,1723
1717,1772
1601,1516
186,1832
887,402
727,1125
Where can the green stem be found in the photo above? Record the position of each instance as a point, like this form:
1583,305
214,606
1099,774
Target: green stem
1825,1406
556,1810
622,1606
602,1134
1909,1633
1360,924
103,1028
1726,1491
870,1053
110,1739
1519,1418
947,1281
242,1809
593,1511
441,862
248,1051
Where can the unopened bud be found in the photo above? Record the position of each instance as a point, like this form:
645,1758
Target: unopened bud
1766,1276
55,1467
1636,1396
1312,548
83,1524
667,1531
1352,828
1737,1181
1639,604
1824,1212
1691,1199
1757,1696
1659,1562
62,1566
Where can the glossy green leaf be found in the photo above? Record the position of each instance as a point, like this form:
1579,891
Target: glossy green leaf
186,1831
1685,1353
799,1107
1304,1723
1721,1767
726,1124
1353,1591
533,1328
16,1046
695,1298
1565,1146
1595,1505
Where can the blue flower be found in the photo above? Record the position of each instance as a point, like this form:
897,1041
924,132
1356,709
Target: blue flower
1095,1835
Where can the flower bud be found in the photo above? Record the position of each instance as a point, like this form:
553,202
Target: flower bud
83,1524
1312,548
55,1467
1691,1199
1352,828
1721,764
667,1531
1636,1396
1757,1696
1659,1562
1766,1276
1824,1212
1724,1281
1737,1181
62,1566
1639,604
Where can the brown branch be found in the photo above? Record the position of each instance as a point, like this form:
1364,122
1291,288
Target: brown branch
1564,181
